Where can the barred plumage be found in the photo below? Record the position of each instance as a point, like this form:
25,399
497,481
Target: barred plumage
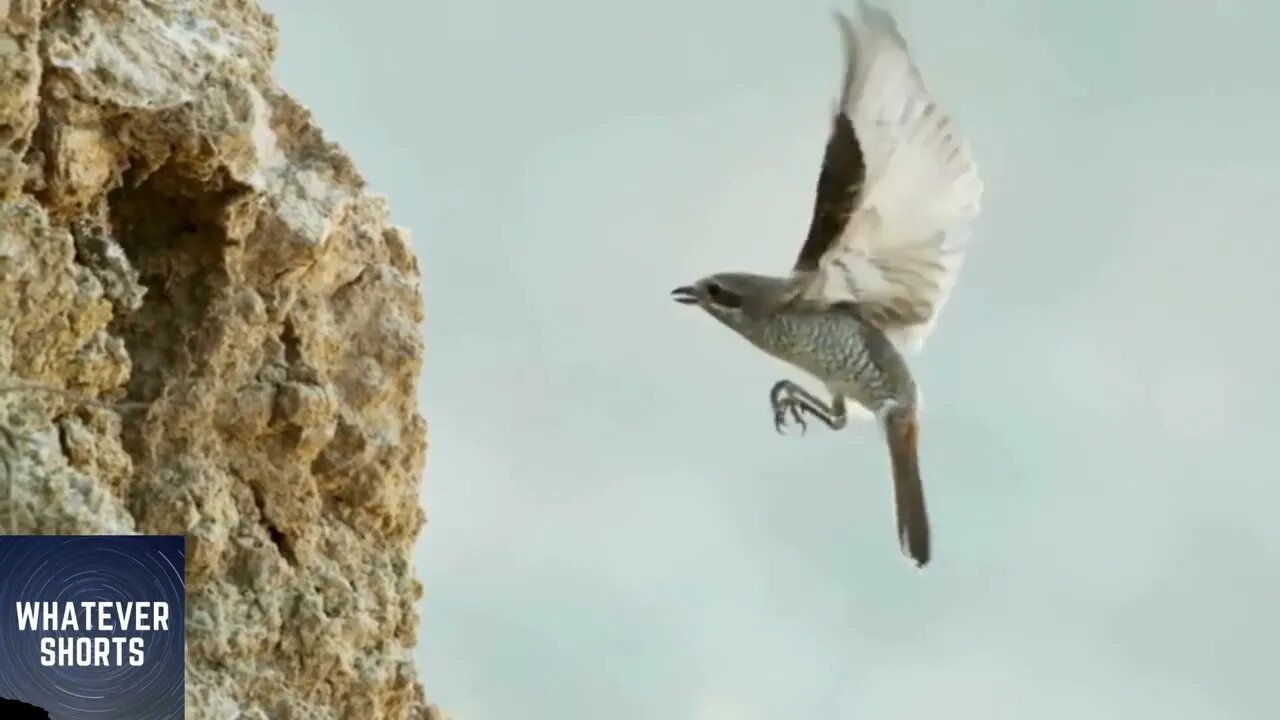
886,241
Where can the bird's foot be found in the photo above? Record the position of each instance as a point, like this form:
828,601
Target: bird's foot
791,403
789,406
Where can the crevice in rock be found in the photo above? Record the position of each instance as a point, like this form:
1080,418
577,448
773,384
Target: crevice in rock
282,542
64,443
292,343
169,231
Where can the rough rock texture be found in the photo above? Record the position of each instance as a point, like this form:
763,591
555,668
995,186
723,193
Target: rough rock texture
236,329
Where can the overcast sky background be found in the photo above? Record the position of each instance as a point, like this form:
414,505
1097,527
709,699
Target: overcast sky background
615,530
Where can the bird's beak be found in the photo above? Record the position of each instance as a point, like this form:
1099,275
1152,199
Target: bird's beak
685,295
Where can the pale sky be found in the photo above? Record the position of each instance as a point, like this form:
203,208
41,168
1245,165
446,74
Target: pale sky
615,530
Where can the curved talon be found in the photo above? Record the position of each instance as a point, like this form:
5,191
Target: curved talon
780,418
787,398
799,417
789,406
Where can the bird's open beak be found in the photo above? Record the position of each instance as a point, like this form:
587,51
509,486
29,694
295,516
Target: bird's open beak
685,295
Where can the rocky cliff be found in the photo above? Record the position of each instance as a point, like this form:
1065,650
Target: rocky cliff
208,327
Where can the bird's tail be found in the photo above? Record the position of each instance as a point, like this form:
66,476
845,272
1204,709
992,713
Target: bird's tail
902,431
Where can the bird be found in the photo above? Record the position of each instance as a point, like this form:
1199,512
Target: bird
896,197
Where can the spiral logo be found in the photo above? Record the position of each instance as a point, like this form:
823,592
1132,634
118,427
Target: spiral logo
92,626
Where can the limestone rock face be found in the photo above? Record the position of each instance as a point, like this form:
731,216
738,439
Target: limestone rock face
208,327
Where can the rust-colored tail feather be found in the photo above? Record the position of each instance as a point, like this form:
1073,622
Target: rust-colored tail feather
908,491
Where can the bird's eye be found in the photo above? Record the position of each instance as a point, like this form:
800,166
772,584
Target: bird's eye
722,297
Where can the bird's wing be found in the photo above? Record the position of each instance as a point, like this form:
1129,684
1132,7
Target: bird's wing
896,193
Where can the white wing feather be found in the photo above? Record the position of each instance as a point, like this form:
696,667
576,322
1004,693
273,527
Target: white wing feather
905,241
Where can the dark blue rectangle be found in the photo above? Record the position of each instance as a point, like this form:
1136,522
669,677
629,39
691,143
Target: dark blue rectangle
91,626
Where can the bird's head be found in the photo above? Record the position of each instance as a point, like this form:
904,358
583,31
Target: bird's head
735,299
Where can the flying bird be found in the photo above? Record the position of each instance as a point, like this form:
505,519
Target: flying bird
895,197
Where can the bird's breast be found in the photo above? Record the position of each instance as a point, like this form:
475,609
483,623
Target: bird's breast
829,345
839,349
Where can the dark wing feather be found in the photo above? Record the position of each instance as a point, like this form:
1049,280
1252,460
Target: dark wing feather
903,217
843,170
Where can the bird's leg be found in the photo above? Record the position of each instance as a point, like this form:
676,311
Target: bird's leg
788,398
